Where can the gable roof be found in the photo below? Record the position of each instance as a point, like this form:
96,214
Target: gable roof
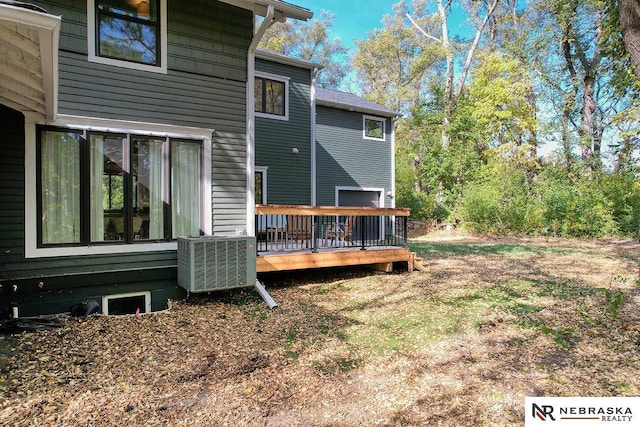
351,102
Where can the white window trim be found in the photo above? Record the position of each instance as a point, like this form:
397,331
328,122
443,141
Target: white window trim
277,78
91,39
112,126
145,294
364,127
263,171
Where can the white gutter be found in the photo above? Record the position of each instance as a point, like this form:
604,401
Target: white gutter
393,163
314,184
261,7
251,127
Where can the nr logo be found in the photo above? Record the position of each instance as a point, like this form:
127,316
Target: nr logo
542,412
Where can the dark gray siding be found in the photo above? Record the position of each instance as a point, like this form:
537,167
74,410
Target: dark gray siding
345,158
177,98
205,87
203,37
289,175
50,285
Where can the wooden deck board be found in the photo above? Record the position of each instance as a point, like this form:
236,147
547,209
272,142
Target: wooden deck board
270,262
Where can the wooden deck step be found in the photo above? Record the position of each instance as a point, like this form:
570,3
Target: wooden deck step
418,262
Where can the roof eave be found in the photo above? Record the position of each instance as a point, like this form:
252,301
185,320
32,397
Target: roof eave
286,60
358,109
48,29
260,7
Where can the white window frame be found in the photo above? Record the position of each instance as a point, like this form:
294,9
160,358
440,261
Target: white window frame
263,170
111,126
94,57
145,294
378,119
283,79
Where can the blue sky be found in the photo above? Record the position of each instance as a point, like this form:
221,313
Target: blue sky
355,18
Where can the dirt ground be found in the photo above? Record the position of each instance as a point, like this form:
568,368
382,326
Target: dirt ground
492,320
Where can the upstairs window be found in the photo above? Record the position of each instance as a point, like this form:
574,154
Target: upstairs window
271,97
128,33
373,128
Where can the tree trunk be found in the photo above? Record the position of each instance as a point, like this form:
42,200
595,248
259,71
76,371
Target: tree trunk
586,122
566,146
448,86
629,16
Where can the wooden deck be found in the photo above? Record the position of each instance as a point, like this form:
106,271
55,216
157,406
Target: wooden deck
380,257
380,248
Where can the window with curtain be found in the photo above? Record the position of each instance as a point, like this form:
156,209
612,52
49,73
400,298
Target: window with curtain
133,189
59,187
185,188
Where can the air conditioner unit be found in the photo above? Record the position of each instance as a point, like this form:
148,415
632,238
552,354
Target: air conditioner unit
214,263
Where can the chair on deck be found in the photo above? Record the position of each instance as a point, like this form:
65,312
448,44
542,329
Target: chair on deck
299,229
341,231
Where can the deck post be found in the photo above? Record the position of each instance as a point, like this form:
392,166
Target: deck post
314,242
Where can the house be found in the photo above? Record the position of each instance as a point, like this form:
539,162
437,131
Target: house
126,123
316,146
324,174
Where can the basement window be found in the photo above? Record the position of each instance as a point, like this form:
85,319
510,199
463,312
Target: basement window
132,303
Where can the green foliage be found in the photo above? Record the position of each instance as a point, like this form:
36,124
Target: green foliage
561,336
501,97
555,203
310,41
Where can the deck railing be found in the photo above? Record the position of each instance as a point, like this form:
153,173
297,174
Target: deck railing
289,227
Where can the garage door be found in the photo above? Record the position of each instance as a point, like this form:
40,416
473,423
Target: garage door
363,199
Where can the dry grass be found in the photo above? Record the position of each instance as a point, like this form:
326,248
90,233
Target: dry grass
462,344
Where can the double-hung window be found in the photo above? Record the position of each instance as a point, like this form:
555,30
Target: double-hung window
128,33
373,128
271,96
95,187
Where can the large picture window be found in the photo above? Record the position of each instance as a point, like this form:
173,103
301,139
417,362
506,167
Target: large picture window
98,187
271,97
128,30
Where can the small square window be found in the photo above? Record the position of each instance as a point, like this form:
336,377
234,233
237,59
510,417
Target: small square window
271,97
373,128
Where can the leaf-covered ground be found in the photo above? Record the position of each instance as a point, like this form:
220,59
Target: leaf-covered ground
492,321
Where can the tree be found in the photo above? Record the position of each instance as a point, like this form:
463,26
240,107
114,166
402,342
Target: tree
480,12
629,18
500,96
393,66
310,41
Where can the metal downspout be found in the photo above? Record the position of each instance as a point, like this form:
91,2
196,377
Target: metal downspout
251,140
250,113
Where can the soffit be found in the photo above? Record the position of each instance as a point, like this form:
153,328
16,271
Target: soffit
29,60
